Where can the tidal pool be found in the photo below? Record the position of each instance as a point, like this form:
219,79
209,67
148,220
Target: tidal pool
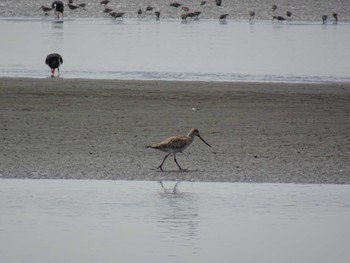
138,221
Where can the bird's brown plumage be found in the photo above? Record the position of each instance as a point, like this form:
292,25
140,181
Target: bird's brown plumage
176,144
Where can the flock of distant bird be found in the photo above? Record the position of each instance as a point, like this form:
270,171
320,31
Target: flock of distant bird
151,10
55,60
174,144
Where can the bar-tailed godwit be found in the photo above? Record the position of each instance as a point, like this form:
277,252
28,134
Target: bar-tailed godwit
175,4
176,144
222,18
104,2
46,9
117,14
279,18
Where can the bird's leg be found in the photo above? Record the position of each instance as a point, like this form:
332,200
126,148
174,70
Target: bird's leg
58,70
160,166
176,161
52,73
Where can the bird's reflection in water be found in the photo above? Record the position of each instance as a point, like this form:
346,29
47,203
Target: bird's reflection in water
169,191
57,34
178,214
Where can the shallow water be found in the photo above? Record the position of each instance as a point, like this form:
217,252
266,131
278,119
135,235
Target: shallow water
133,221
207,50
309,10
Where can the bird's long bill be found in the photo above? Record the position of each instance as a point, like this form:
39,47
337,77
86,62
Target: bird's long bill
204,141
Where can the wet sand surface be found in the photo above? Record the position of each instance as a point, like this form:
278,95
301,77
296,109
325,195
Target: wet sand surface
98,129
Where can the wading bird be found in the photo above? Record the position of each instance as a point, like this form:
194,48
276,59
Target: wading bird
196,15
104,2
222,18
149,8
157,14
79,5
139,13
54,61
108,10
175,4
59,8
176,144
116,15
46,9
73,6
251,15
278,18
335,16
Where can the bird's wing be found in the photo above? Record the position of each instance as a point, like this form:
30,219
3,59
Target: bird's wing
177,142
174,142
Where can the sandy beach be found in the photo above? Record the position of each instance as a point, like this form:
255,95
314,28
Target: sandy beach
98,129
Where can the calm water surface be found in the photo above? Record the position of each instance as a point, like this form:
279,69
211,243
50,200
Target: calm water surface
309,10
207,50
132,221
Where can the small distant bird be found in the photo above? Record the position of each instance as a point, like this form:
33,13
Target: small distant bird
251,15
184,17
185,8
54,61
324,19
278,18
335,16
176,144
203,3
59,8
157,13
222,17
73,6
274,7
196,15
108,10
218,2
191,15
289,14
46,9
149,8
139,13
175,4
117,14
104,2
